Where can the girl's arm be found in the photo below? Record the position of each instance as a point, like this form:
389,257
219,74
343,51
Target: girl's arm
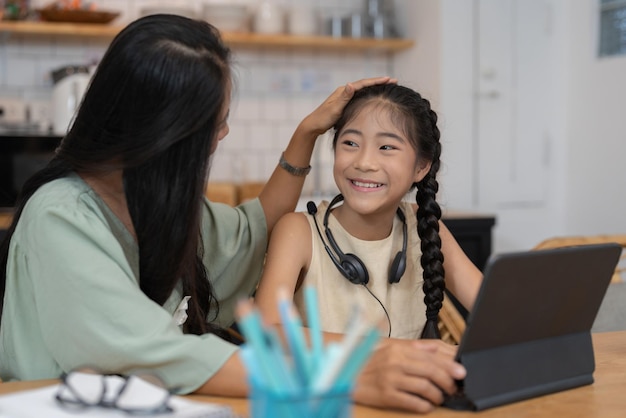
462,277
280,194
288,256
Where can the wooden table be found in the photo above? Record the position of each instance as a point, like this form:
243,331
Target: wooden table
605,398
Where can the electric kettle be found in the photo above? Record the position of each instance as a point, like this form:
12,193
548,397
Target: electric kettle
70,83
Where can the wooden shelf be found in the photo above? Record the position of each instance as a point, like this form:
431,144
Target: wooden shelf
63,29
240,40
322,42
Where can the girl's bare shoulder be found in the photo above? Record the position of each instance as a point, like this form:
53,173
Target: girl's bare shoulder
293,223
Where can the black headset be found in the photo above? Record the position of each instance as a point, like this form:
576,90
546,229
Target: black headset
349,265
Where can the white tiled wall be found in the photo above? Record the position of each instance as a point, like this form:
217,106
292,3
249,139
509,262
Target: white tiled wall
275,89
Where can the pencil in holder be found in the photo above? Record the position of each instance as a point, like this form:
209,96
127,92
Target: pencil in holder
334,403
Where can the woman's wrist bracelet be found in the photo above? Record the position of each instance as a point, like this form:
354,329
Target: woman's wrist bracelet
294,171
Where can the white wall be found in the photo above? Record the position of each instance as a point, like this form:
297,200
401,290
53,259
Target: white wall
439,67
596,130
587,129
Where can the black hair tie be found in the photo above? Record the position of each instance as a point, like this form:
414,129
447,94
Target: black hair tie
431,315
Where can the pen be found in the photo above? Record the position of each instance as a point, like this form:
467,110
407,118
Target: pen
295,338
283,370
346,376
250,323
359,356
313,319
334,365
257,377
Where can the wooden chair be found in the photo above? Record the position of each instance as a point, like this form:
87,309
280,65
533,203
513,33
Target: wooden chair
233,194
451,323
250,190
571,241
223,192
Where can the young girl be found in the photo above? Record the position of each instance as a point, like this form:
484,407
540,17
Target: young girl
375,249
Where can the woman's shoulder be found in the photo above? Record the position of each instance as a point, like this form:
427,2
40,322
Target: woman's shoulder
221,216
66,192
68,198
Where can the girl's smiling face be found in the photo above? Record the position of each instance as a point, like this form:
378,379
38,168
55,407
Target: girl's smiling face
375,163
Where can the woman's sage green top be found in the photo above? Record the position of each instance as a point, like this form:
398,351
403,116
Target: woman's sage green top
73,299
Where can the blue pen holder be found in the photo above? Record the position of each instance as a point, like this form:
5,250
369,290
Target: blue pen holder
265,403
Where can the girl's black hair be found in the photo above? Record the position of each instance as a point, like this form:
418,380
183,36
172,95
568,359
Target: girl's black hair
413,114
153,110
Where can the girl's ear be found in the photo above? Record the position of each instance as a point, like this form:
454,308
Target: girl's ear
420,172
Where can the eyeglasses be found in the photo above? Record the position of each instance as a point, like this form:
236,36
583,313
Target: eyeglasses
135,394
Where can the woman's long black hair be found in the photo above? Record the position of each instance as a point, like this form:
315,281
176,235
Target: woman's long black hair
152,109
414,115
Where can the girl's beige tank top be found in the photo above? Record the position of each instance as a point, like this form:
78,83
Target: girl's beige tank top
337,296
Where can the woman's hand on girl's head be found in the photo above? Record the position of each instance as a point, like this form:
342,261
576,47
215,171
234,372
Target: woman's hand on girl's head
408,375
324,117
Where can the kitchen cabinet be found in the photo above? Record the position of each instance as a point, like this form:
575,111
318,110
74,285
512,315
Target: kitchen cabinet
236,40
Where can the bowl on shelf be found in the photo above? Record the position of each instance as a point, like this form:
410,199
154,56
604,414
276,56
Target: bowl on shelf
227,17
52,14
169,10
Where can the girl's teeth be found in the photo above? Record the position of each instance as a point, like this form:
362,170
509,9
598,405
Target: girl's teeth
368,185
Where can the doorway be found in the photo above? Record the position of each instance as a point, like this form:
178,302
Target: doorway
513,105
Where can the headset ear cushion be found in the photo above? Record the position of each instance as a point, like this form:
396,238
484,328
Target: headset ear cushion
397,268
354,269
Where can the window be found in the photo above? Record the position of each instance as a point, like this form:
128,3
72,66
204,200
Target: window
612,27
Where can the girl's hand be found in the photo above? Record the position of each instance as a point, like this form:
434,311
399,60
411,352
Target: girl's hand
324,117
408,375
